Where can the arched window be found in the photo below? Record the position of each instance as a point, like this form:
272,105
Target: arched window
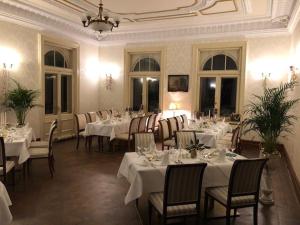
55,58
220,62
146,64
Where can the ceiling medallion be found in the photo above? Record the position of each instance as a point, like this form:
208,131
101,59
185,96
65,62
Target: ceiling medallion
101,22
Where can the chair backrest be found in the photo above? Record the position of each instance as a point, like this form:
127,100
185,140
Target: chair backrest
157,118
185,121
164,130
143,140
92,116
143,124
50,142
134,125
114,112
245,168
99,114
235,138
2,155
81,121
173,127
104,114
179,122
151,122
185,138
183,184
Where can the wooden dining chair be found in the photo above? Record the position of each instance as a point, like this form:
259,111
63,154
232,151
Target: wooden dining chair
185,138
92,117
6,166
43,144
179,199
173,126
133,128
151,122
104,114
243,188
143,140
179,122
156,124
185,121
166,139
81,122
44,153
143,124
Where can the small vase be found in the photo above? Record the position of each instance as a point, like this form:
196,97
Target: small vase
266,191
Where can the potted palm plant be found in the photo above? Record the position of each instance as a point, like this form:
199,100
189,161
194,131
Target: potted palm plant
21,100
270,117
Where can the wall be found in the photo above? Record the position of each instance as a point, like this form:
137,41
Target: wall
25,42
292,143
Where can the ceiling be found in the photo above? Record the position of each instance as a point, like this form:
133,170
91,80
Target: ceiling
155,19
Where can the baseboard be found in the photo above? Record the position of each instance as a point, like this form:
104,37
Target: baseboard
291,169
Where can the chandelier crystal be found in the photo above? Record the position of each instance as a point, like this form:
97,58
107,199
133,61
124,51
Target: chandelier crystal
101,22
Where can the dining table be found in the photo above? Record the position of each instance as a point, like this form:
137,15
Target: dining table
208,133
5,202
108,128
146,175
17,141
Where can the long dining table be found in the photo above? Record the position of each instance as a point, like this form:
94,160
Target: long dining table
17,142
146,176
108,128
5,202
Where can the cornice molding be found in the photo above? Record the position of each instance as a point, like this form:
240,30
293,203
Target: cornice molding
282,19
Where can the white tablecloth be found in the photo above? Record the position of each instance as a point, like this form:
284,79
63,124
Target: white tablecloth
108,128
147,179
209,136
5,202
19,143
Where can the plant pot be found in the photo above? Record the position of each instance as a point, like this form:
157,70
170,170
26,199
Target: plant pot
266,192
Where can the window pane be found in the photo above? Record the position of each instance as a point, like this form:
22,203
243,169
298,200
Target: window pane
59,60
228,96
50,93
137,93
207,94
49,58
153,94
144,64
207,65
66,94
230,64
219,62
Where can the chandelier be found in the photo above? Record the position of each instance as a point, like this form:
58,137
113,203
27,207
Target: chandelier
101,22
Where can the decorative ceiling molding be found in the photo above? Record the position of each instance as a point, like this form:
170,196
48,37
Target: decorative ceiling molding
282,17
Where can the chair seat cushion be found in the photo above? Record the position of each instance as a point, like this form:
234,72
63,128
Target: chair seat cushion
123,136
156,200
220,194
39,144
83,134
170,142
38,152
9,166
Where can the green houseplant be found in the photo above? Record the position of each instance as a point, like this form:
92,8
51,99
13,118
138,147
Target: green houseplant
21,100
269,115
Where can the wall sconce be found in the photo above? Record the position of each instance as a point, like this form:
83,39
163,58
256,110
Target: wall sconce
293,74
108,81
265,77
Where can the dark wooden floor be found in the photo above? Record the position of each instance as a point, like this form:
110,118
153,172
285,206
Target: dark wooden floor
86,191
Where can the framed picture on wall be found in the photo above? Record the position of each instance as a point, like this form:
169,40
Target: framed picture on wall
178,83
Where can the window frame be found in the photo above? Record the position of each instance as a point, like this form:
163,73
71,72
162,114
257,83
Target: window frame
198,72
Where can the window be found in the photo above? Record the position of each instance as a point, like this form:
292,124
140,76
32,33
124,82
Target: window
146,64
50,93
66,94
220,62
55,58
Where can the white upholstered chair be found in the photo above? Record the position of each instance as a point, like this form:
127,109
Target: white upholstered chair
42,144
185,138
166,139
6,166
143,140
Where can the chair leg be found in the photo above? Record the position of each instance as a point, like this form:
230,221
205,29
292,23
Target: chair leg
13,176
255,209
227,216
52,164
50,167
150,212
205,206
